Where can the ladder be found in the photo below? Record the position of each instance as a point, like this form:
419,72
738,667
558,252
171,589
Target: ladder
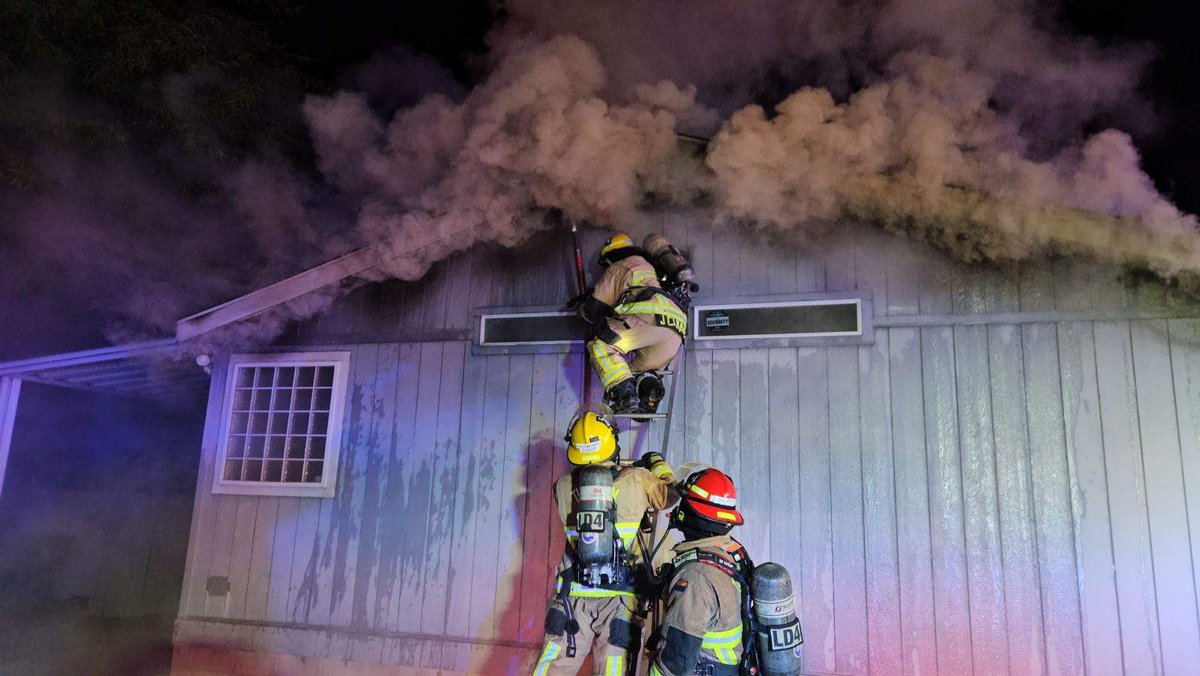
639,424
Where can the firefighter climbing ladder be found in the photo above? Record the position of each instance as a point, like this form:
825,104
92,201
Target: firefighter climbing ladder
640,425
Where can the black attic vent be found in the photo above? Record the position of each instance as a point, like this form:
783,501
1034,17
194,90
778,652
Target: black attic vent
531,328
794,319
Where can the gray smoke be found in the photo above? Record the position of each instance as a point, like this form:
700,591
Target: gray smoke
954,122
443,175
924,152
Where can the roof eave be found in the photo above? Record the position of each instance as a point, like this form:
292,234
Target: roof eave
293,287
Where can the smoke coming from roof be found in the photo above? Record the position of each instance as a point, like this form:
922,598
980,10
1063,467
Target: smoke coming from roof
979,127
924,153
955,122
443,175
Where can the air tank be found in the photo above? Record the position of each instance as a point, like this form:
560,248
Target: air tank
671,262
593,511
779,638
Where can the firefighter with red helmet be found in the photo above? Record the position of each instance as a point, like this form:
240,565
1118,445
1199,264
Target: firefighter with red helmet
631,315
702,626
601,505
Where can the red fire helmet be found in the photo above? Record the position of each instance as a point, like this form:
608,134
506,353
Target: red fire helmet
710,494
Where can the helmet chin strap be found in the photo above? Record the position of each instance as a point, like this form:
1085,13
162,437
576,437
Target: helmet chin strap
689,531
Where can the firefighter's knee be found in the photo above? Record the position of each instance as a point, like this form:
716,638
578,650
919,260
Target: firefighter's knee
624,634
556,621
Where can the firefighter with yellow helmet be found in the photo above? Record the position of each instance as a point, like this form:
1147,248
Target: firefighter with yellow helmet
639,326
601,505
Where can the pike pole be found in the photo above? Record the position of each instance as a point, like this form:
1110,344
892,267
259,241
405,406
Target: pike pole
581,288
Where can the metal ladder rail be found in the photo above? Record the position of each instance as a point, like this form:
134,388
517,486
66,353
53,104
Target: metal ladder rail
640,423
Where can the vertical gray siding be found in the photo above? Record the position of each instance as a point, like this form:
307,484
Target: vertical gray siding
960,496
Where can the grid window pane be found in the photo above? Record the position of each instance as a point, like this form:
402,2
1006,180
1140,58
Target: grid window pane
304,376
258,423
298,424
320,423
255,445
237,447
293,471
283,400
321,399
316,448
279,424
240,423
303,400
261,400
241,399
312,472
325,376
286,377
296,446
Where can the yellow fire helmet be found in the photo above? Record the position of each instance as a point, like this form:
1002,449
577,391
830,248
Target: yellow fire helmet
617,241
592,436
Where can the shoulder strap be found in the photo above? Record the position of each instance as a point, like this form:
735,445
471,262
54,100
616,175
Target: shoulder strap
730,568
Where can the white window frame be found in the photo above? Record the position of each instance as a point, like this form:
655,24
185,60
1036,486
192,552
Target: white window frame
340,361
857,302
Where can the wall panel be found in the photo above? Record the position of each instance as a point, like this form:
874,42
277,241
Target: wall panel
970,492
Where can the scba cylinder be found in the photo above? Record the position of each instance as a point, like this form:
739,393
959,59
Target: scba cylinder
592,515
779,636
670,261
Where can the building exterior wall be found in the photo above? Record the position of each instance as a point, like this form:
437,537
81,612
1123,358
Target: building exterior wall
996,482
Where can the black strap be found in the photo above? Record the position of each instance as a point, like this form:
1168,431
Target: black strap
638,294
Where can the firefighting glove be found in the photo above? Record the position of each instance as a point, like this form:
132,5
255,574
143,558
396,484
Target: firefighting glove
577,301
592,310
657,464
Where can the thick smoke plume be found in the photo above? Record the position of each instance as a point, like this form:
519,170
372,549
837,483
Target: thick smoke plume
961,123
443,175
924,152
957,123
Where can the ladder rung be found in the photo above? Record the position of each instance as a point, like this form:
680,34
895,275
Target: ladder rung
648,416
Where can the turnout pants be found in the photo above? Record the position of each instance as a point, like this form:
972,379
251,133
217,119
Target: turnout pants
608,630
649,347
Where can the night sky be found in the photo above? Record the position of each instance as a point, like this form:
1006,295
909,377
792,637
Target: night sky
129,135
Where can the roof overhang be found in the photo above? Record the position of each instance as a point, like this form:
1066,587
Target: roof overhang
243,307
154,369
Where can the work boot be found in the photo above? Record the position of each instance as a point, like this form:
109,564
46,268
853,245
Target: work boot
623,397
651,391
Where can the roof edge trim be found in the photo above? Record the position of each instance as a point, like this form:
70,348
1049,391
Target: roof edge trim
282,291
62,359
